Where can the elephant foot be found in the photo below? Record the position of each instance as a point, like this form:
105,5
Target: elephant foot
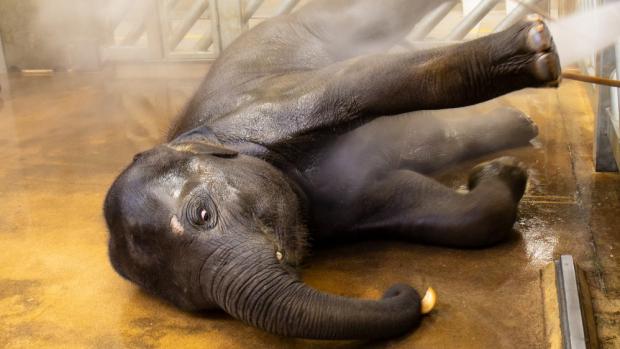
546,67
520,125
506,169
533,52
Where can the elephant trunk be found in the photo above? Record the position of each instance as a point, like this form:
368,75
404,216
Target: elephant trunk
255,288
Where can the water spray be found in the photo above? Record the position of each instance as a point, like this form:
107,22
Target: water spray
579,35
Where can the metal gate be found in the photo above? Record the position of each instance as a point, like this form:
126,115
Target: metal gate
607,134
177,30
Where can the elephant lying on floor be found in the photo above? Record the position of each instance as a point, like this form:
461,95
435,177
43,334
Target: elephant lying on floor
283,142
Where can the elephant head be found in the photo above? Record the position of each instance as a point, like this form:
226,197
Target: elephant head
205,227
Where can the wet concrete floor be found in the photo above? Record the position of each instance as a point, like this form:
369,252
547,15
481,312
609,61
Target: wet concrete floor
64,138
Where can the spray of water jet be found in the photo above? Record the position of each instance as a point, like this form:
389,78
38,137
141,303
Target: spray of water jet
581,35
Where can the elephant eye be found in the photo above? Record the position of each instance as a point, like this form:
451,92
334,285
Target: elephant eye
203,216
201,212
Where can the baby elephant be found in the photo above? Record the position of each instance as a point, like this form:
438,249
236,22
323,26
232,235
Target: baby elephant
283,143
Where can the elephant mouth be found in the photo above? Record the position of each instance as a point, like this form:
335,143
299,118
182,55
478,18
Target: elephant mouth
290,249
282,247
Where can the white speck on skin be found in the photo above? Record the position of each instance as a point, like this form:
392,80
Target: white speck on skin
175,225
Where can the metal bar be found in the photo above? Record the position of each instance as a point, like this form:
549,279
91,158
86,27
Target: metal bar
147,9
214,22
605,138
171,4
190,56
251,8
188,21
535,9
574,336
153,31
116,17
205,42
3,68
135,33
430,21
125,54
286,7
229,21
615,93
470,21
525,7
614,139
163,11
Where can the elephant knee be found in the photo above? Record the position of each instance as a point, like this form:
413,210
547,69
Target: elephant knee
493,226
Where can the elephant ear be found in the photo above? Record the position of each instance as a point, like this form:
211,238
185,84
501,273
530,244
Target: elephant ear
202,140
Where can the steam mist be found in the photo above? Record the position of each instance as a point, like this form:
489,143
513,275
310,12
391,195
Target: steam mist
581,35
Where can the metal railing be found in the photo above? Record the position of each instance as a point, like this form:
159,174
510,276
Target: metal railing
177,30
607,132
3,69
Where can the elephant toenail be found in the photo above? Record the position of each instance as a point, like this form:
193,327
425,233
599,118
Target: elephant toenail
537,40
540,28
279,255
533,17
546,68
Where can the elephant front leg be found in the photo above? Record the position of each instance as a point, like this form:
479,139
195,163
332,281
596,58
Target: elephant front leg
454,76
410,206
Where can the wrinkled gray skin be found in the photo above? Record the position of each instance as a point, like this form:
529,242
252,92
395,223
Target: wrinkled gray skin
279,145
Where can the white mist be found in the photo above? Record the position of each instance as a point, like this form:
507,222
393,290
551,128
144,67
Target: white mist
581,35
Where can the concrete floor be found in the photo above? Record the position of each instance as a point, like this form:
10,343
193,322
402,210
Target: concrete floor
64,138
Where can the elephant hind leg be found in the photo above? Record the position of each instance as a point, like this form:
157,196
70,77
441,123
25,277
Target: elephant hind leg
407,205
445,138
424,141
